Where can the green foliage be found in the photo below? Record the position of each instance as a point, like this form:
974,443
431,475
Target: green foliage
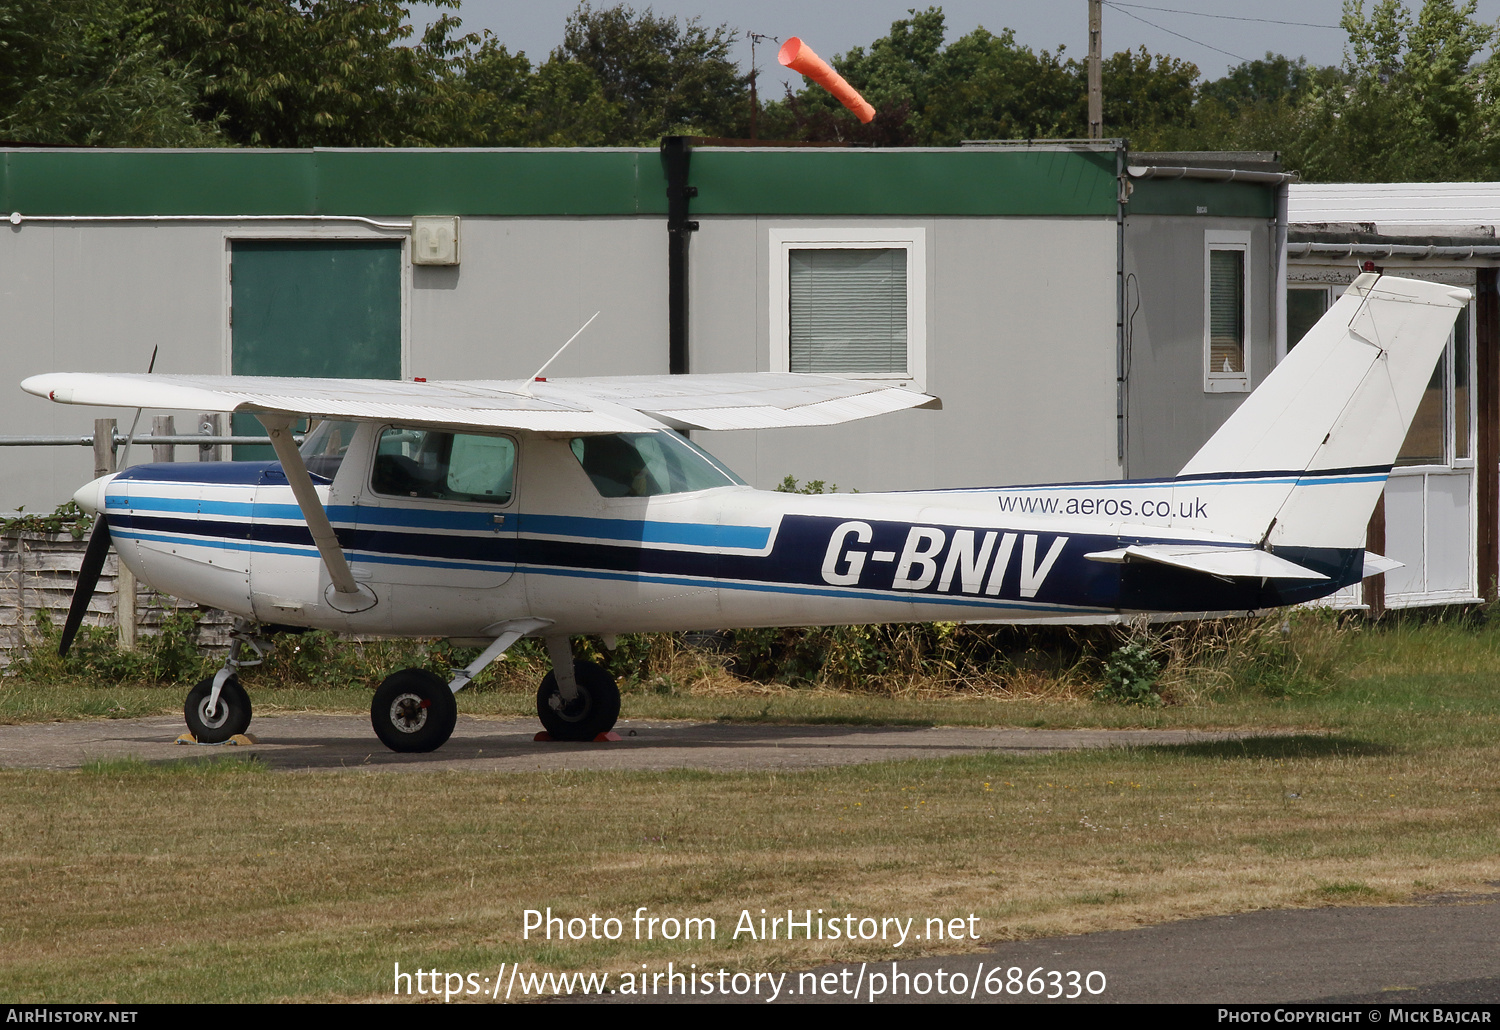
1130,675
66,518
982,86
812,486
302,73
663,77
96,73
170,656
1417,98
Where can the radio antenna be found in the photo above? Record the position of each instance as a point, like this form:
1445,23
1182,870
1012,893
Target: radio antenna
537,377
124,460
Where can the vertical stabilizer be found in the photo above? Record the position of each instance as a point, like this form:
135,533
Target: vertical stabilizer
1303,460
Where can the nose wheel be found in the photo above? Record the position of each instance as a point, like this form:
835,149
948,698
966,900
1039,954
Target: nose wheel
228,717
413,711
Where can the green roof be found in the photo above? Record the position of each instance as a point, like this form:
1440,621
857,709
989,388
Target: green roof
620,181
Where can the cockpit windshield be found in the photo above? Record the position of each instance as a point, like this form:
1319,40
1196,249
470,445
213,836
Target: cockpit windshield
648,464
324,446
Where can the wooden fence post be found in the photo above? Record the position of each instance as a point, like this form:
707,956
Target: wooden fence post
104,464
163,425
208,425
19,637
104,446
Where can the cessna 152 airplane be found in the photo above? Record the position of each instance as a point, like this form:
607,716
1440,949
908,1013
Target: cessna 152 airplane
489,511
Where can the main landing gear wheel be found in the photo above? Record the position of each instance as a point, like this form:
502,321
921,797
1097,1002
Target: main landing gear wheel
413,711
230,716
591,713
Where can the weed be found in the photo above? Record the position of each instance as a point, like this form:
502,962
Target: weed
67,518
1130,675
171,655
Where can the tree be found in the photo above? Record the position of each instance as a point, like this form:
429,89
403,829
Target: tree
664,77
1416,106
301,73
1268,82
986,86
95,73
1143,92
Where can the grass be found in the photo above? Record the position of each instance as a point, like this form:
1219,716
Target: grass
219,881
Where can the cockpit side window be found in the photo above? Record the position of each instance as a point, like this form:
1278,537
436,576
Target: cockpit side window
443,466
648,464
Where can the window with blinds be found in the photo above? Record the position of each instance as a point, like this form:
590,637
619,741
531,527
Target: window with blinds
1226,312
847,310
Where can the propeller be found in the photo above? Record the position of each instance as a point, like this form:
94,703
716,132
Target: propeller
98,549
88,579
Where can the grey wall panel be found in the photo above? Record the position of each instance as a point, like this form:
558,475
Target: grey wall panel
1019,321
727,288
525,285
1170,414
1020,347
97,298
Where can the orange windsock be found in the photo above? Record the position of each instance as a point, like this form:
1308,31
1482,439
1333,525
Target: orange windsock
799,57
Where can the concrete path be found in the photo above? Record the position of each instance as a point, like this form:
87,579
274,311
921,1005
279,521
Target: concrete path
1446,950
297,742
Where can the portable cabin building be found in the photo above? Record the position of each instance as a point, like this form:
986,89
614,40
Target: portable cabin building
1439,514
1083,312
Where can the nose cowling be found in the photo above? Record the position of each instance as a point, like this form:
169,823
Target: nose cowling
90,496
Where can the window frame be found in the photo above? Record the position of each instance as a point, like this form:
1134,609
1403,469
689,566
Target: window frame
1226,382
1329,299
381,498
1452,429
911,239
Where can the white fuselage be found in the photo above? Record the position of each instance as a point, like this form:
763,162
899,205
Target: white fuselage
231,536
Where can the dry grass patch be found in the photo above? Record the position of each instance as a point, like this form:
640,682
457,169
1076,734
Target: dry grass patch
212,882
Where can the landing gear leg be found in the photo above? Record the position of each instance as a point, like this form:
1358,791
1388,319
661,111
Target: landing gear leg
577,700
218,707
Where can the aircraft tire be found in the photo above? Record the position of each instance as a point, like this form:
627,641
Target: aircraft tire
413,711
232,715
593,712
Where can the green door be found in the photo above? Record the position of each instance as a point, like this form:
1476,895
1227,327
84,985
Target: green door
313,308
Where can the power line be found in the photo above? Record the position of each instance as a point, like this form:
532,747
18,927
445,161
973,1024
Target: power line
1227,17
1160,28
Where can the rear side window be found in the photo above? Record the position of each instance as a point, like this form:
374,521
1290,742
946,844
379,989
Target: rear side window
648,464
443,466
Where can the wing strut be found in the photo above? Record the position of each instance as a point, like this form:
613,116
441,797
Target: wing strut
346,595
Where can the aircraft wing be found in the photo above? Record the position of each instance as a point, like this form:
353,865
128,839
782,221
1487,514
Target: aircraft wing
1232,562
746,400
750,400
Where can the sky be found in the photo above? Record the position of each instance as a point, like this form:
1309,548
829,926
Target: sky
1213,34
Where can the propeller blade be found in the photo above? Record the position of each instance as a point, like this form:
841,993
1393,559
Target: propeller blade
88,579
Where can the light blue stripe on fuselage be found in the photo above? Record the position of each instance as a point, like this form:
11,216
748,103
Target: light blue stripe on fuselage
690,534
1311,479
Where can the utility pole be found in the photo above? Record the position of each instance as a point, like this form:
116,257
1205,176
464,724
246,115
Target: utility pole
755,37
1096,74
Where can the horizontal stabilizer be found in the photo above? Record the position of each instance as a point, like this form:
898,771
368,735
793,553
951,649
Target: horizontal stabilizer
1234,562
1375,564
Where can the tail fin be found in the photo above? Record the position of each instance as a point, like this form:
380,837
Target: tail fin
1319,435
